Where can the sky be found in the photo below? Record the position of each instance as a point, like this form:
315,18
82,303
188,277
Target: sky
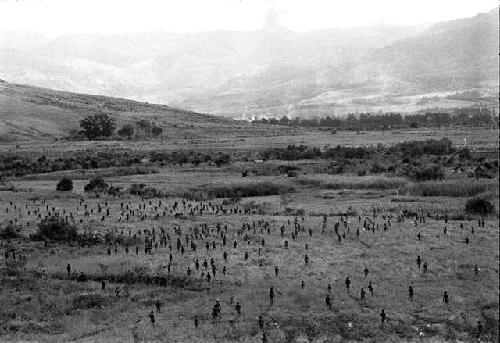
58,17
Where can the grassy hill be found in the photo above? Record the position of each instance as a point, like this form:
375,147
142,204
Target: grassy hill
32,112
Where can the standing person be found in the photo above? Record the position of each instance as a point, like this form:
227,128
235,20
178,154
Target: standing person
158,305
261,322
271,296
68,269
446,298
196,323
328,301
480,329
370,288
347,284
383,317
238,308
152,318
410,292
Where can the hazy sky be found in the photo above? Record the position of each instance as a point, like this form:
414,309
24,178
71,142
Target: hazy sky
56,17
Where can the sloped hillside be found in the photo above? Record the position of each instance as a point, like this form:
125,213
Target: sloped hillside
451,55
32,112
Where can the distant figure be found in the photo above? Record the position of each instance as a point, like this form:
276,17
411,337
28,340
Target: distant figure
152,318
196,323
103,285
328,301
446,298
362,294
480,329
329,288
419,261
264,338
271,296
366,271
238,308
383,317
347,284
410,292
158,305
425,267
370,288
261,322
68,269
476,271
302,284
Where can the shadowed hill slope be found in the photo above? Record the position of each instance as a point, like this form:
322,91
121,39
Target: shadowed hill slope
32,112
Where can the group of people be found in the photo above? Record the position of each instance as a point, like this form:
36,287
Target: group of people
211,246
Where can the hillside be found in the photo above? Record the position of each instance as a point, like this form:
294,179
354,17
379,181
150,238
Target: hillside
33,112
453,55
269,72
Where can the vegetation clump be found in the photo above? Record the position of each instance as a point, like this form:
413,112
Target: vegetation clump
479,205
65,185
55,228
97,185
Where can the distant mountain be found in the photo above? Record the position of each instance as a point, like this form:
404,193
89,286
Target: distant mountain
457,54
269,72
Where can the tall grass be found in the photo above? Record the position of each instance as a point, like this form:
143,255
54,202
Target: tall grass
452,188
353,182
252,189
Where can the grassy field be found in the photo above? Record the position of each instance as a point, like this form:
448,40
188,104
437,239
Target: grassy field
41,302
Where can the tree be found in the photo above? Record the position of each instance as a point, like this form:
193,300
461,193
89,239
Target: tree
127,130
57,229
65,184
479,206
97,125
156,131
96,184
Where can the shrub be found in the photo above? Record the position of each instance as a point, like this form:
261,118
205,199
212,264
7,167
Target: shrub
253,189
452,188
127,130
427,173
96,184
65,184
97,125
478,206
9,232
56,229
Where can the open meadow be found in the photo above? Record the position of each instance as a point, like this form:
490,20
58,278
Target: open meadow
170,238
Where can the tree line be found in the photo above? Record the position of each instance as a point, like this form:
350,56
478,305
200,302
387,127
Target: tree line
474,117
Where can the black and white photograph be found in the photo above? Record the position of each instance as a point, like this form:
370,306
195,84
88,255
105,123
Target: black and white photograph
250,171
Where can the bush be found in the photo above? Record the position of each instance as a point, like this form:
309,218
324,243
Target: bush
427,174
478,206
56,229
65,184
452,188
253,189
9,232
96,184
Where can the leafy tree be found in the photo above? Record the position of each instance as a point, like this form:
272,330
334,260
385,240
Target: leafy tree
127,130
57,229
156,131
478,206
65,184
97,125
9,232
96,184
